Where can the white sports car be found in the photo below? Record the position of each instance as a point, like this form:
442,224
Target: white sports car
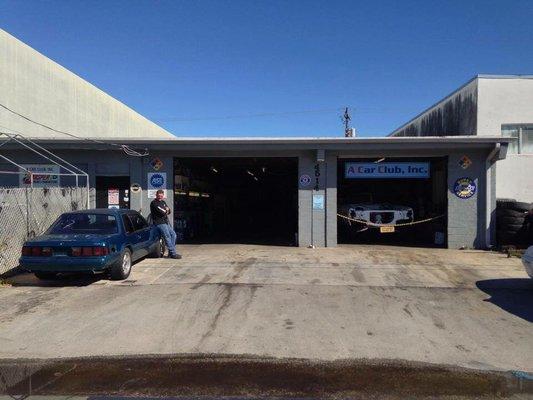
383,214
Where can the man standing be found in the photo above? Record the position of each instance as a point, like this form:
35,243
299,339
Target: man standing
160,212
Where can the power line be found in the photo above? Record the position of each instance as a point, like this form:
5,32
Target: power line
125,148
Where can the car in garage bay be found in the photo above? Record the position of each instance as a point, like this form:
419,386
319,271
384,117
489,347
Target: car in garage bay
92,241
377,213
363,210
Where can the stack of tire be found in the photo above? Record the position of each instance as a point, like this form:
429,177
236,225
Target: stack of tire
512,223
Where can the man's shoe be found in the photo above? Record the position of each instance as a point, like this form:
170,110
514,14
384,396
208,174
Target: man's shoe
175,256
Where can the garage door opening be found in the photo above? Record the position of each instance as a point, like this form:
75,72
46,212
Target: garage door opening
393,193
236,200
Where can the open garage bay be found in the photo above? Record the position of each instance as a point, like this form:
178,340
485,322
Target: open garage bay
236,200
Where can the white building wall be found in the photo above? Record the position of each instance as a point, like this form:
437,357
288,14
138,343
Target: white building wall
504,101
37,87
514,178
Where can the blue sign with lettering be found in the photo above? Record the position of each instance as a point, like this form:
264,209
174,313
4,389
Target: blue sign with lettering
157,180
386,170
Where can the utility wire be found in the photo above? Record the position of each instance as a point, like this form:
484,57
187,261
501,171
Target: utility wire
125,148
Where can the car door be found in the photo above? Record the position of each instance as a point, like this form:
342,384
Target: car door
132,238
142,234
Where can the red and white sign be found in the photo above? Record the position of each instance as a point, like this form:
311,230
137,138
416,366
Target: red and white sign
44,175
113,197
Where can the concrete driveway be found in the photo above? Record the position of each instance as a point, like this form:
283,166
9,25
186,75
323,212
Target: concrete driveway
463,308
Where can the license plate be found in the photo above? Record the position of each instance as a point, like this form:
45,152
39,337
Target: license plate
386,229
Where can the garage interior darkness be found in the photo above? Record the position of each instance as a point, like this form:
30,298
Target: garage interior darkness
427,197
107,184
236,200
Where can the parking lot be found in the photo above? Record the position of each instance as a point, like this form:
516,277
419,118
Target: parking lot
463,308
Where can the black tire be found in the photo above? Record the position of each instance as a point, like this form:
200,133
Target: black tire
119,271
510,227
522,206
503,223
504,220
513,205
505,238
509,213
159,250
46,276
512,237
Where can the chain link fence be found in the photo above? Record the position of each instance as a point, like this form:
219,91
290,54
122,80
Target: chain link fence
28,212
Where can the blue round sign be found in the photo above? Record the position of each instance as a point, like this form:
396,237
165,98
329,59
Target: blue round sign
157,180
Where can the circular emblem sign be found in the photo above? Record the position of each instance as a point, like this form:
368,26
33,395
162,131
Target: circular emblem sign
464,188
305,180
157,180
135,187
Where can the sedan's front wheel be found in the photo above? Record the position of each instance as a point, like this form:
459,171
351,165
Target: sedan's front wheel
122,268
159,249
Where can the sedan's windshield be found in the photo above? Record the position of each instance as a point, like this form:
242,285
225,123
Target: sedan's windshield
73,223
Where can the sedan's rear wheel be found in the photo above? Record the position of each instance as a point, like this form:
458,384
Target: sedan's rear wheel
122,268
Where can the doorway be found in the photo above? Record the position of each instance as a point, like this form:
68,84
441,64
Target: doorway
112,192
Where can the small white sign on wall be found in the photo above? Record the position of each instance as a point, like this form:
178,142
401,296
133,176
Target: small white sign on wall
318,202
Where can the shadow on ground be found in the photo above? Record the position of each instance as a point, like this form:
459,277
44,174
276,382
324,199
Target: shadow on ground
512,295
225,375
63,280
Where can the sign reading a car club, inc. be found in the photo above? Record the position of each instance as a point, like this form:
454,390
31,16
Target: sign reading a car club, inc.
157,181
386,170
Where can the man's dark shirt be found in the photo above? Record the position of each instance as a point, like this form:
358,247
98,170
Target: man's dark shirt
157,209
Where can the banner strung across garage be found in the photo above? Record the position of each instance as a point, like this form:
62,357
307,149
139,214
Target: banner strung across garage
371,170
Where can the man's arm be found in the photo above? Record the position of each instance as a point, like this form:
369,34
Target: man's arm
158,211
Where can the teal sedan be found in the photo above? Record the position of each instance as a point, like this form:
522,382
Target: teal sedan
92,241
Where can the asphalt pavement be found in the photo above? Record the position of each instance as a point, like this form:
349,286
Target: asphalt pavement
450,308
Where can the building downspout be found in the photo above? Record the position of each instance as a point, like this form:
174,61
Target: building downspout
493,156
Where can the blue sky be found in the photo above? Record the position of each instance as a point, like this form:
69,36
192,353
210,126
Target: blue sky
211,68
